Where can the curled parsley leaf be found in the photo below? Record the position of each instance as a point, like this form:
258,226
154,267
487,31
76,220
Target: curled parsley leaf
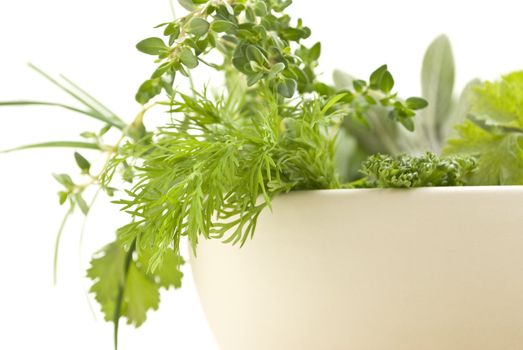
404,171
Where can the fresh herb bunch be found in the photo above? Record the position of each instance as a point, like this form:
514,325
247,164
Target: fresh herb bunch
217,163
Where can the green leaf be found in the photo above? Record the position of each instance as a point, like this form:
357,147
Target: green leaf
95,108
408,123
315,51
500,154
107,271
359,85
427,170
387,82
149,89
65,180
370,100
198,26
376,77
139,287
332,101
287,87
82,163
89,113
189,5
152,46
499,103
221,26
276,69
188,58
342,80
140,295
260,9
167,274
416,103
55,144
254,78
62,197
81,203
254,54
437,83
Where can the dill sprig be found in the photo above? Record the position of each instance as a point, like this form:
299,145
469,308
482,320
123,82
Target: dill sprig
212,174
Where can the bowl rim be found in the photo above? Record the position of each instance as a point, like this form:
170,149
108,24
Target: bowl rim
414,190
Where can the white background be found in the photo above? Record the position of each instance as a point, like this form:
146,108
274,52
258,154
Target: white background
93,43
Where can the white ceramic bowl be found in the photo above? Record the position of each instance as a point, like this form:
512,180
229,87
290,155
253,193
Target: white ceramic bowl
422,269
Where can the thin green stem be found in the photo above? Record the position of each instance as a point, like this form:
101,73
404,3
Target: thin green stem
121,291
57,242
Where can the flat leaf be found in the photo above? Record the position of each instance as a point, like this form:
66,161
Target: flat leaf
188,58
254,54
315,51
387,82
198,26
500,102
332,101
342,80
287,87
80,201
95,108
55,144
152,46
107,271
167,274
437,83
359,85
82,163
376,76
64,180
276,69
140,295
254,78
260,9
189,5
416,103
62,197
140,286
149,89
221,26
500,155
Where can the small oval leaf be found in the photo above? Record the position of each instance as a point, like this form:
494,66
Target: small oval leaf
198,26
82,163
152,46
188,58
416,103
287,87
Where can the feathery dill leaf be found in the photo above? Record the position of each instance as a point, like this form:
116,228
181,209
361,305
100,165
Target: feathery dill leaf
213,176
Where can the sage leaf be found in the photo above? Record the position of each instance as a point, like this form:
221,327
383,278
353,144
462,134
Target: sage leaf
437,83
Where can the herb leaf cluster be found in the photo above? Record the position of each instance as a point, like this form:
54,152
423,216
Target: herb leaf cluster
494,132
219,161
405,171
